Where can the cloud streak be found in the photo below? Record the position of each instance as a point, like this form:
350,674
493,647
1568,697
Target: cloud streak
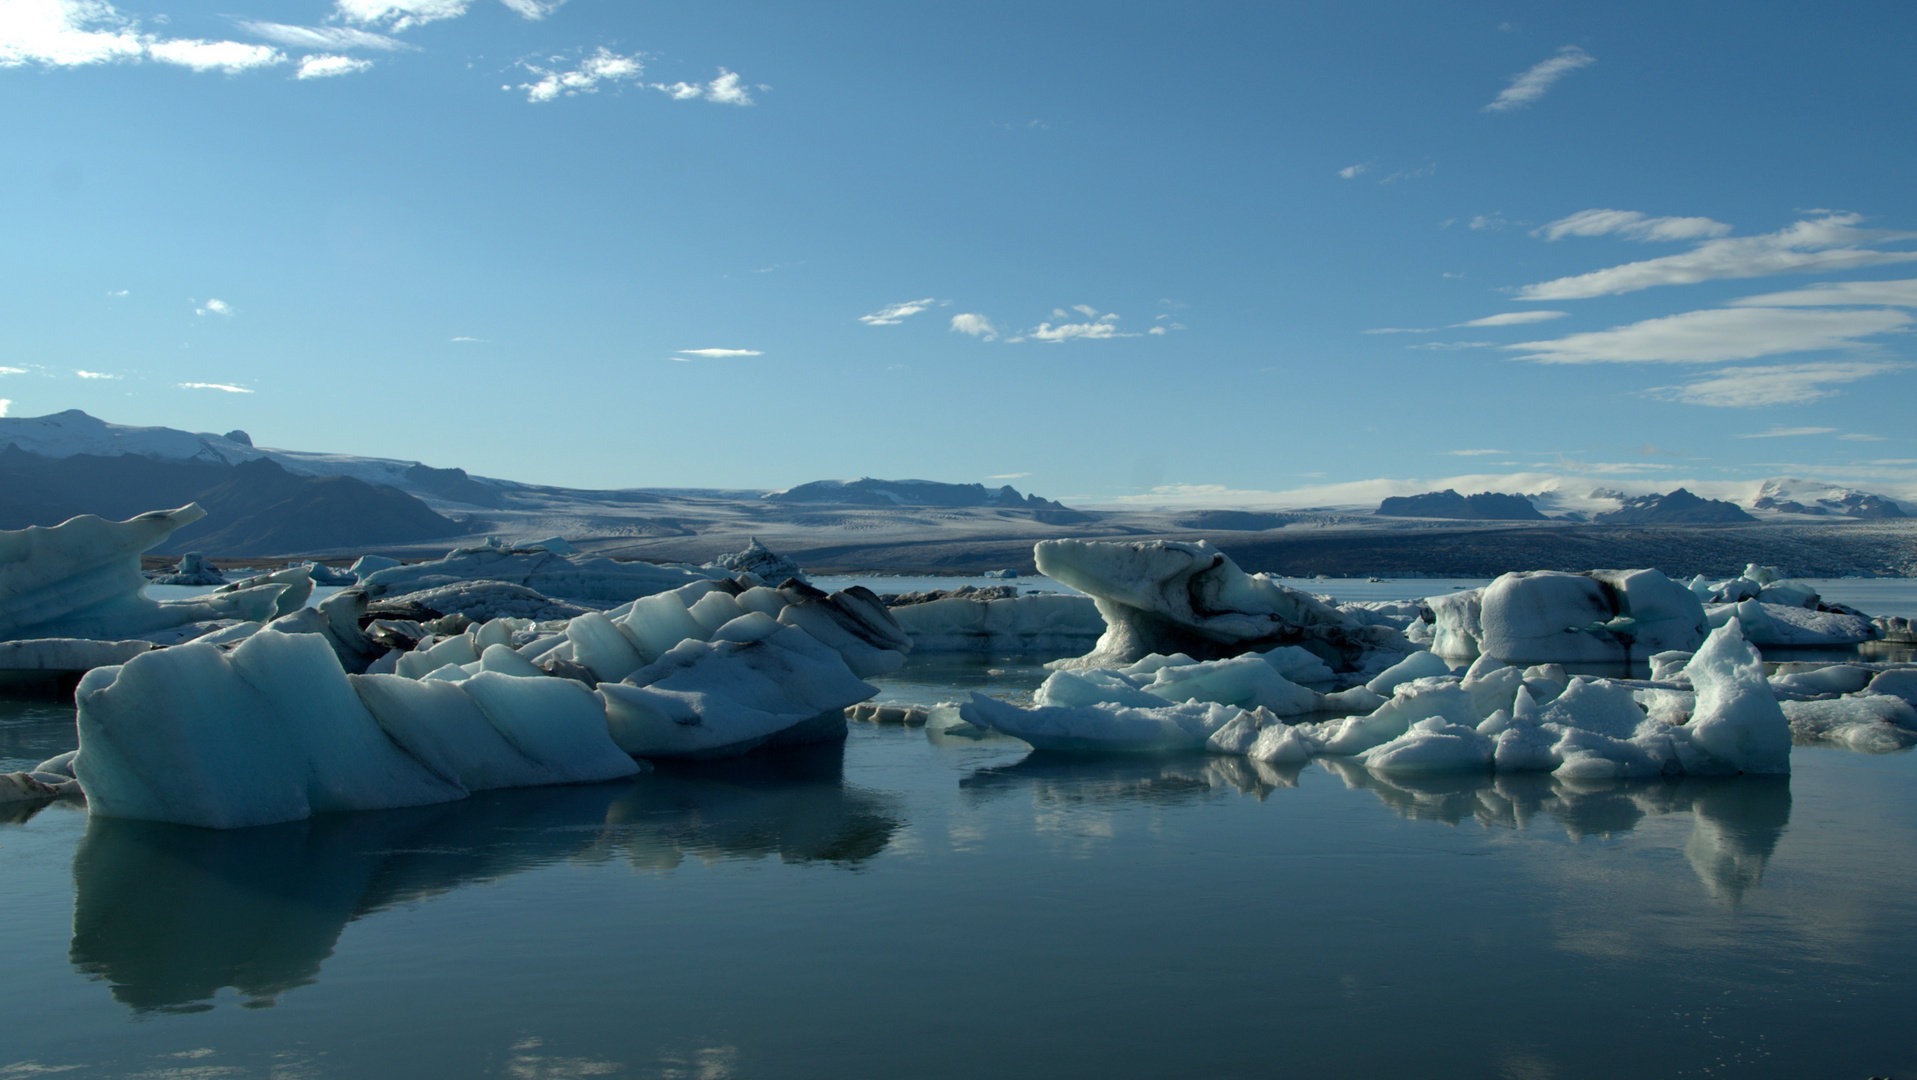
322,38
894,314
224,387
1818,245
1509,318
720,354
1784,384
328,65
1531,85
1717,335
1632,225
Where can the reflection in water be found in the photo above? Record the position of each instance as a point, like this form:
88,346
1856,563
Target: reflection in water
169,915
1736,820
1119,778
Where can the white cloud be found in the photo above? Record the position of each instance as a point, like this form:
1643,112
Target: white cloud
720,354
322,37
1822,244
1156,331
5,404
533,9
1008,476
976,325
1716,335
1787,432
894,314
1451,346
603,65
72,33
1531,85
326,65
471,340
1858,436
1488,221
66,33
95,375
1632,226
117,292
1509,318
400,14
13,371
725,90
1352,172
231,57
1839,293
1420,172
227,387
1784,384
1098,328
215,307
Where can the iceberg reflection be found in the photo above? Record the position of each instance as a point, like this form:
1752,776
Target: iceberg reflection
169,915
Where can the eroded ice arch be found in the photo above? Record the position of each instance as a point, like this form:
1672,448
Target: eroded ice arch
1167,597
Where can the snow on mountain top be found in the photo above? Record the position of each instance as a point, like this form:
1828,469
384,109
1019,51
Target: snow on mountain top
73,432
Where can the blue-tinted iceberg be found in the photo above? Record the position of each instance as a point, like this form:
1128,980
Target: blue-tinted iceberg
1545,616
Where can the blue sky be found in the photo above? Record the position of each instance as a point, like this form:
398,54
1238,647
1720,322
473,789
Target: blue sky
1206,253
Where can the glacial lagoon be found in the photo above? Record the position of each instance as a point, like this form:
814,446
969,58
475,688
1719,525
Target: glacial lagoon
915,904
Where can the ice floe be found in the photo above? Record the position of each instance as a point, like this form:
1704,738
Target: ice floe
1037,623
1546,616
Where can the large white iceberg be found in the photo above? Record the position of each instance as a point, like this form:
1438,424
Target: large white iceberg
1545,616
1039,622
1168,597
275,730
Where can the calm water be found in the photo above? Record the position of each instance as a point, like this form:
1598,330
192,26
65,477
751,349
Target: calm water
899,906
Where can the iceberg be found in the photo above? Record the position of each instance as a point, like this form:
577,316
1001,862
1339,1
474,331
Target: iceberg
1546,616
759,561
1168,597
1494,718
275,730
587,580
193,569
82,579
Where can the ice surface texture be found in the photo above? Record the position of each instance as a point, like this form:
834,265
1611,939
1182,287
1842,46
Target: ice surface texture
1494,717
1544,616
1045,622
1167,597
592,581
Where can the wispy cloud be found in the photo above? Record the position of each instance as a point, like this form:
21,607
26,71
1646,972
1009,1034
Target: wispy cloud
327,65
1352,172
1474,453
1418,173
95,375
1487,221
5,404
1859,436
398,15
1717,335
322,38
1840,293
1532,84
976,325
214,307
1787,432
1632,225
720,354
603,65
13,371
1509,318
1401,330
471,340
1828,243
1008,476
1757,387
226,387
894,314
727,89
117,292
1451,346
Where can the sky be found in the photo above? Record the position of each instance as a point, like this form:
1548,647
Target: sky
1141,254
